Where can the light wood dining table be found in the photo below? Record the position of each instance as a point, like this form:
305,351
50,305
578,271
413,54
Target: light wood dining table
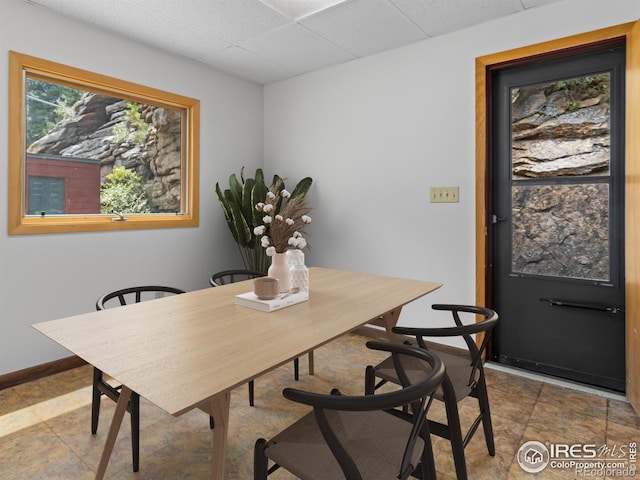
191,350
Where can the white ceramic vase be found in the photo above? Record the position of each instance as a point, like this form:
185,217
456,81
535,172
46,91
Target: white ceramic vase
279,269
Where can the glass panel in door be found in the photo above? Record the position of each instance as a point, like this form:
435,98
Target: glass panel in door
560,164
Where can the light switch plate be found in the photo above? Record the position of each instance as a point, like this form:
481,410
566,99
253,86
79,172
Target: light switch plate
444,194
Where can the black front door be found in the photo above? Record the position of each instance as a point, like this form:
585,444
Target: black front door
557,239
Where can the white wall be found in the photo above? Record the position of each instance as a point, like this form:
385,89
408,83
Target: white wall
376,133
44,277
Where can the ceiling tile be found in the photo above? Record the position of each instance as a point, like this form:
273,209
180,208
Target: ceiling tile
365,27
437,17
298,48
251,40
231,21
537,3
140,24
299,9
91,12
245,64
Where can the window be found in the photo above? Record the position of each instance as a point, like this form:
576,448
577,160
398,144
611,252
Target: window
89,152
562,180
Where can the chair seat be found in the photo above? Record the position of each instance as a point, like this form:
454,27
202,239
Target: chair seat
457,365
302,450
359,436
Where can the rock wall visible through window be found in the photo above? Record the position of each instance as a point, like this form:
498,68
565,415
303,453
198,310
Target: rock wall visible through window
120,133
561,131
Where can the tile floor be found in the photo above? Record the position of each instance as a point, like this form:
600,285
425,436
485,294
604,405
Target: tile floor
45,425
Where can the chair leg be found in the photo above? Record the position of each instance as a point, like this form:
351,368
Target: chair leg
135,430
296,369
485,411
95,401
369,380
455,430
251,393
427,468
260,460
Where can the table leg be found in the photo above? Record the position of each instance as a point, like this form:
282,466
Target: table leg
390,320
114,428
220,409
311,364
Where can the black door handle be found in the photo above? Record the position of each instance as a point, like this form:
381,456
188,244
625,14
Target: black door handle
556,302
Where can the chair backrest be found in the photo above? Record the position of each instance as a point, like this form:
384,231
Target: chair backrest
416,392
489,319
129,295
231,276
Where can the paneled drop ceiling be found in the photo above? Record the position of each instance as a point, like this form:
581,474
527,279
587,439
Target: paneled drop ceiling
249,39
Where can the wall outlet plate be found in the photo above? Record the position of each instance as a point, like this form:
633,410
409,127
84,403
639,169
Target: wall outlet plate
444,194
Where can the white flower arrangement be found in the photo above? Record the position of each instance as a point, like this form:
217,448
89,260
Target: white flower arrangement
283,222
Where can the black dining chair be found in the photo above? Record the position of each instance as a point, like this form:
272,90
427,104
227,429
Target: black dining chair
464,375
231,276
360,436
102,387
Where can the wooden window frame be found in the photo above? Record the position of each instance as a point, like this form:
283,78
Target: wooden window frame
20,223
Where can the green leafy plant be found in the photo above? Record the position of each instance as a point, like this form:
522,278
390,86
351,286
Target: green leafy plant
239,202
140,127
63,110
123,192
578,89
135,129
120,132
48,104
